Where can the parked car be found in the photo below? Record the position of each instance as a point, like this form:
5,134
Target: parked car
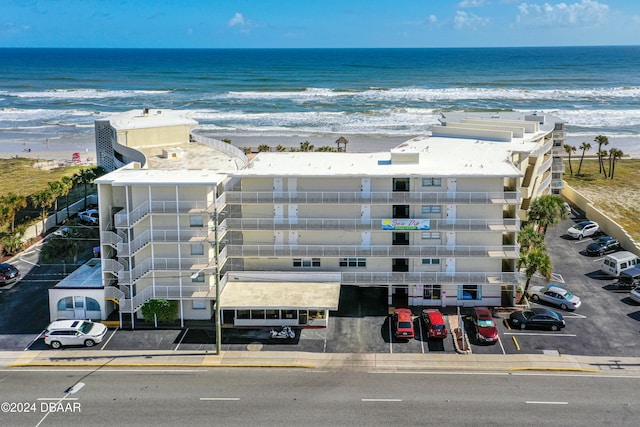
635,294
486,331
568,208
555,295
434,323
583,229
74,332
603,245
537,318
403,323
9,274
629,278
89,216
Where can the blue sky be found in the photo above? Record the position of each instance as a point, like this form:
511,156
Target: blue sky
311,23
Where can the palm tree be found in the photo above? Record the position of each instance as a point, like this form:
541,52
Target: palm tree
56,192
601,155
66,187
585,146
601,140
546,211
264,148
85,177
617,154
529,238
533,261
280,148
569,149
13,241
306,146
44,200
10,205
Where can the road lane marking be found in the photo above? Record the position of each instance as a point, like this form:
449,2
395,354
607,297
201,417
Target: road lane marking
109,339
536,402
223,399
381,400
542,334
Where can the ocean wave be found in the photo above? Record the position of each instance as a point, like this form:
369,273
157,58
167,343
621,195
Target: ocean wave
85,93
433,94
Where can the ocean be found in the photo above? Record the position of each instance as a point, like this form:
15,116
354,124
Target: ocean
55,95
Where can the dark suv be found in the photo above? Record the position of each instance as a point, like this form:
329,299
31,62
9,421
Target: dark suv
8,274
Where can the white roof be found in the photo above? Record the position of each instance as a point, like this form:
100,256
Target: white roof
155,117
88,275
432,156
130,176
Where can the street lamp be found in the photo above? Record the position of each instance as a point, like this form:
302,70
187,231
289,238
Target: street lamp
217,281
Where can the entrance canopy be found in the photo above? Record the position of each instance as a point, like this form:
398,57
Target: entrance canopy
282,295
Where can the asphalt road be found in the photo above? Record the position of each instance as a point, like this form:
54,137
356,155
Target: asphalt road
276,397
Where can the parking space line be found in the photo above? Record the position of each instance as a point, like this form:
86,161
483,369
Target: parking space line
220,398
109,339
421,336
501,346
574,316
390,338
181,338
540,334
381,400
34,340
537,402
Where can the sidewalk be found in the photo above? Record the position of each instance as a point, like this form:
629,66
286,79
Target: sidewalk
387,362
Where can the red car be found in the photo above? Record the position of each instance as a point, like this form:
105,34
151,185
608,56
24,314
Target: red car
403,323
434,322
486,330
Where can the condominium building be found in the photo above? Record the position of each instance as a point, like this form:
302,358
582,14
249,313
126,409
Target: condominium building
432,222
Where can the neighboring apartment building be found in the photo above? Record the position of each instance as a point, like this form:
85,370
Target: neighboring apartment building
434,221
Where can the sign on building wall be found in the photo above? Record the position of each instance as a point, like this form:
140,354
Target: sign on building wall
405,224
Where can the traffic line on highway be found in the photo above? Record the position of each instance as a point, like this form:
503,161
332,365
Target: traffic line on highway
381,400
536,402
542,334
223,399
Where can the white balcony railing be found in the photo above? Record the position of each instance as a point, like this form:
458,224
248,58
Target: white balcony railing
161,264
293,250
162,236
397,278
165,292
389,197
326,224
124,219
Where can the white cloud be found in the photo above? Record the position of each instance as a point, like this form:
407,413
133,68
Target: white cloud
586,12
236,20
464,20
471,3
432,19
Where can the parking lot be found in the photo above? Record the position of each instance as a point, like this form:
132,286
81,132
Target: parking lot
607,323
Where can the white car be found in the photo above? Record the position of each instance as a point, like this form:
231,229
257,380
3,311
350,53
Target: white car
90,216
583,229
555,295
568,208
74,332
635,294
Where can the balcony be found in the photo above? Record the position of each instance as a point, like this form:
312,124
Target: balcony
343,251
131,305
325,224
415,278
162,236
129,277
382,198
123,219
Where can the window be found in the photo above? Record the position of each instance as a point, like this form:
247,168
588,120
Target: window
432,182
430,235
199,304
317,314
197,249
306,262
289,314
243,314
199,278
273,314
430,261
92,305
353,262
196,221
400,184
431,291
469,292
65,304
427,209
257,314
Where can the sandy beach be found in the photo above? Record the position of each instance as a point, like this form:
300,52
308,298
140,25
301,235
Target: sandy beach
53,149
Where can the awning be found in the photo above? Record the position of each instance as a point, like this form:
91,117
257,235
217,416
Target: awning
283,295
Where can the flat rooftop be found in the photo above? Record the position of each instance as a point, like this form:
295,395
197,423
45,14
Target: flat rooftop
151,118
87,276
